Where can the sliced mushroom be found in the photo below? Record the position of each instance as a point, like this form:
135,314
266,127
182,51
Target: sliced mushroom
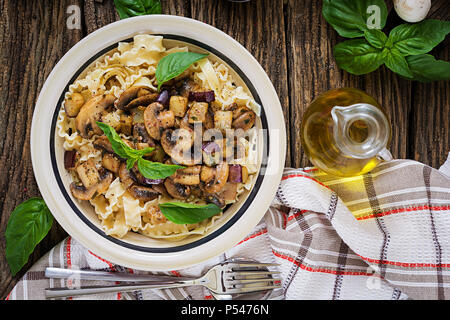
106,178
177,190
125,176
80,192
177,144
189,176
73,104
130,98
103,143
141,134
143,193
245,121
157,119
90,113
214,185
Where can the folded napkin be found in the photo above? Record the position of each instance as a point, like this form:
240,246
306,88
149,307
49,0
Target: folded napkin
383,235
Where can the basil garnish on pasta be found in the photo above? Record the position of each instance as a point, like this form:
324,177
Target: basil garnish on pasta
188,213
175,64
149,169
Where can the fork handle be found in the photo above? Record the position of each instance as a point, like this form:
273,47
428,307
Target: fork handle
67,292
62,273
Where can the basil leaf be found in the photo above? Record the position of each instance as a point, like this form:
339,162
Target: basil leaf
426,68
28,224
131,8
358,57
175,64
156,170
121,148
351,18
187,213
419,38
376,38
396,62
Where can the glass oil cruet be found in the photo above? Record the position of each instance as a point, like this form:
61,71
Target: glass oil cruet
345,132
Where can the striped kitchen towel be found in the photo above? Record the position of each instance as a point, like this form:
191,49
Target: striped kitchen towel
383,235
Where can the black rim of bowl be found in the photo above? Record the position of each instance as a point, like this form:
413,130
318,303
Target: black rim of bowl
206,238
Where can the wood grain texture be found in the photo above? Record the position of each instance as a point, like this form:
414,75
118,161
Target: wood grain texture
290,39
34,37
248,23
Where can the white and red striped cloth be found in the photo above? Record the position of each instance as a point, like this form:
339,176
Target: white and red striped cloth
383,235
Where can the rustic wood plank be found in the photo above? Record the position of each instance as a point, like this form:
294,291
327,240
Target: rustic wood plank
34,37
312,70
430,119
259,27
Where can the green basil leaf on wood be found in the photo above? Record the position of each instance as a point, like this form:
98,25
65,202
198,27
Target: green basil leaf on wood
131,8
156,170
357,56
376,38
419,38
28,224
351,18
175,64
187,213
396,62
426,68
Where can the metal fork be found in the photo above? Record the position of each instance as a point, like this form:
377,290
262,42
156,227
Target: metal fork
225,278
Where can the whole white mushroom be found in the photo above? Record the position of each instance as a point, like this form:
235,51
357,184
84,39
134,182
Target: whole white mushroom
412,10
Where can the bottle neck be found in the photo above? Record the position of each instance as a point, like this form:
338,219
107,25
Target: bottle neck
361,131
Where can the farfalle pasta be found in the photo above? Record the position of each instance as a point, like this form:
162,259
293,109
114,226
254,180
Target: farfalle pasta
121,90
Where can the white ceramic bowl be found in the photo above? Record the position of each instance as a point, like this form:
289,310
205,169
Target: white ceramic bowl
134,250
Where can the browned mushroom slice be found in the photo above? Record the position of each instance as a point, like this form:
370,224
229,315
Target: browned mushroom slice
73,104
177,144
141,134
188,86
216,184
103,143
106,178
189,176
80,192
177,190
141,101
90,113
143,193
156,119
125,176
245,121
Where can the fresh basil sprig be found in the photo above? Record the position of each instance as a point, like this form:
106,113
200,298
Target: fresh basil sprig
131,8
403,51
121,148
28,224
188,213
149,169
175,64
349,17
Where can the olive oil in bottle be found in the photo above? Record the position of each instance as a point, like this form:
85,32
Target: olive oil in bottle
345,132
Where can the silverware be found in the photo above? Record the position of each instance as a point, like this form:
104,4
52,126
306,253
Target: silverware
228,278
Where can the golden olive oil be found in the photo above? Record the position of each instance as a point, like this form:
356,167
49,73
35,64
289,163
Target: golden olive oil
345,132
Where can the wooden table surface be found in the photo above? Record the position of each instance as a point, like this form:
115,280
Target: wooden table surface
289,38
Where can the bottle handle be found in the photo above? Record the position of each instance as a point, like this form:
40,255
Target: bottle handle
385,155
